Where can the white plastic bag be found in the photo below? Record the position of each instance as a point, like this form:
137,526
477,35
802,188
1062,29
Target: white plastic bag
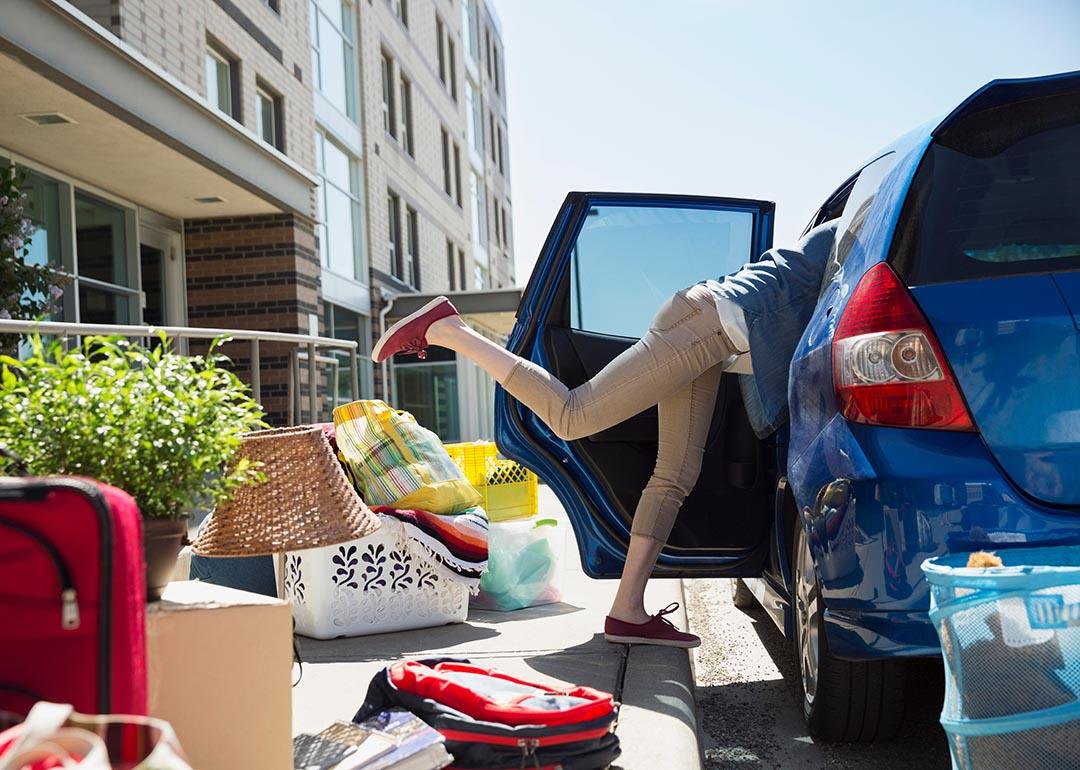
523,565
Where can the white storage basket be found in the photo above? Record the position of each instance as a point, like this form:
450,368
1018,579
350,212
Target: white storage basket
374,585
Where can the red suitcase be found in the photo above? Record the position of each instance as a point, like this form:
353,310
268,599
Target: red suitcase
72,596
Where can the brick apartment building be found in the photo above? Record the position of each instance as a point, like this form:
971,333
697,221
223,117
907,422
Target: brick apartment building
235,163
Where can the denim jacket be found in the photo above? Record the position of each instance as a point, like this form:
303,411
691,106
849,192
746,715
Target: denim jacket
777,294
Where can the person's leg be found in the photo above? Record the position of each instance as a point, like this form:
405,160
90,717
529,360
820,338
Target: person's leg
684,428
684,341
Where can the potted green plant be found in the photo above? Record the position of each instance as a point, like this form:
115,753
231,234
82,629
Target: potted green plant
163,427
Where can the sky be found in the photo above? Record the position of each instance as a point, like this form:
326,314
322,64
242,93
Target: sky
767,99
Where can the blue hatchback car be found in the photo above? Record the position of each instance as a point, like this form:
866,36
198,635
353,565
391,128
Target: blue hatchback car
935,395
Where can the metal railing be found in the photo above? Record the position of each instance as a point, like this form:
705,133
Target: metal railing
305,346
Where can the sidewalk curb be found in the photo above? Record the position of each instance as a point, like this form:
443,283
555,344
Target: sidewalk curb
658,724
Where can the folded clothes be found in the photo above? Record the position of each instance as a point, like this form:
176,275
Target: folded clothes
458,543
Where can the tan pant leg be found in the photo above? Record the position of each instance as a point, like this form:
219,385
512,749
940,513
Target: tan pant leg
685,340
685,418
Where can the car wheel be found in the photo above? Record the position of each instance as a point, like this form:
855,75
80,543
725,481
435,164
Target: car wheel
741,595
842,700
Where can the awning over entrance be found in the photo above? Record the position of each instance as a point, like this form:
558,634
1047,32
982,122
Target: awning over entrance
493,310
130,129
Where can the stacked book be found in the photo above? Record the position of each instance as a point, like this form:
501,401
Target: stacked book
391,740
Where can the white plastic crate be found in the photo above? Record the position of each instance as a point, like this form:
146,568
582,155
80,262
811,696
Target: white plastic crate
374,585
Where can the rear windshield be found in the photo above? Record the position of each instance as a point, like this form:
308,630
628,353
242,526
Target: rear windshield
994,208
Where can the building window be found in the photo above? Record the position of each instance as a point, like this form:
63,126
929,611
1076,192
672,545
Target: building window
428,390
495,221
106,283
401,10
491,134
223,81
333,58
447,177
345,324
479,209
451,264
499,143
487,50
451,56
474,117
389,107
412,248
268,114
457,173
405,136
505,231
468,25
498,80
396,252
440,42
462,281
341,241
273,5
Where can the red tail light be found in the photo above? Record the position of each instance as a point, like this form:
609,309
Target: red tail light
888,367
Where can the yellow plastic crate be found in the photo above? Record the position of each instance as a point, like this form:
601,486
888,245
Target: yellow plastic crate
509,490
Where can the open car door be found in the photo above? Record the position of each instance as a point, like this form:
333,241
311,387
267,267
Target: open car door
608,263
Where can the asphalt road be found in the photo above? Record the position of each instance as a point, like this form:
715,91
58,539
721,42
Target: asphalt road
748,698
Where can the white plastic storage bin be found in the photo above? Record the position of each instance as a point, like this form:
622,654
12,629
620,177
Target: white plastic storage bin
374,585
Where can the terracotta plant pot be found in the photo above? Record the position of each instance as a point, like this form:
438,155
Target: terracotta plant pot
162,541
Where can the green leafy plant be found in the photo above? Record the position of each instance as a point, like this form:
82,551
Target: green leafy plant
163,427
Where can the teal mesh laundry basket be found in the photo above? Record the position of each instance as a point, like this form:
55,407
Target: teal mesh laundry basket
1011,641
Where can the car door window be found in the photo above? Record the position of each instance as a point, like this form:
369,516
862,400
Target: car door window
628,259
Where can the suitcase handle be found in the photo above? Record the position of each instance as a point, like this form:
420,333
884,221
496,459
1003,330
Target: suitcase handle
20,464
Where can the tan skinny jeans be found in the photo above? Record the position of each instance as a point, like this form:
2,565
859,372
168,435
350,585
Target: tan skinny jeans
677,365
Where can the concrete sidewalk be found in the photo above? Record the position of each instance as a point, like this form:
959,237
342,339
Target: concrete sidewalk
657,724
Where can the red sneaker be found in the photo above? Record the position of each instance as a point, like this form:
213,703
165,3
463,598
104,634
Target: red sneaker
408,334
656,630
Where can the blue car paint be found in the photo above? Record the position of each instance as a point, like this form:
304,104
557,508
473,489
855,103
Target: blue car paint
1015,350
895,496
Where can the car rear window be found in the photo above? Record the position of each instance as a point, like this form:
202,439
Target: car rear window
997,202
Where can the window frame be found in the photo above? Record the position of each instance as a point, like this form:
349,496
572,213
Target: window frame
222,56
356,197
405,139
277,106
412,246
389,96
396,247
347,34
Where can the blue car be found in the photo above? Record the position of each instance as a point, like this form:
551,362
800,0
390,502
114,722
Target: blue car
934,396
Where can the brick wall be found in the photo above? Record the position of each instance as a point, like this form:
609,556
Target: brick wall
270,47
260,273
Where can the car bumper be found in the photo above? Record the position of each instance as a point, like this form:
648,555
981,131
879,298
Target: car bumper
877,502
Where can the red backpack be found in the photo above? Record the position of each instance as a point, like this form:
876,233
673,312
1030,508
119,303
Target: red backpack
493,720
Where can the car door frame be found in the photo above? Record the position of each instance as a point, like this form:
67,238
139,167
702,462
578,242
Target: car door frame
597,541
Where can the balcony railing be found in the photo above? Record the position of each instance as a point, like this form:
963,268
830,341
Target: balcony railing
305,350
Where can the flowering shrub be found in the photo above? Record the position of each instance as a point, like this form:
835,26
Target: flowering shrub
27,291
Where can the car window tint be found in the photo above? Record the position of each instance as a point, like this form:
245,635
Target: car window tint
985,211
855,210
628,259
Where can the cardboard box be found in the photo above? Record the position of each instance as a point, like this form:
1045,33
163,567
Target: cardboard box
220,669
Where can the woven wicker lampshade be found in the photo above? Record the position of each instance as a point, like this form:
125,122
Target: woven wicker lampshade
306,501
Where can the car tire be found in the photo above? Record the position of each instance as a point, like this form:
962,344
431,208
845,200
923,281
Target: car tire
842,700
741,595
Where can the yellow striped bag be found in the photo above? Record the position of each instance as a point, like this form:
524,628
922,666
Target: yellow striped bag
395,461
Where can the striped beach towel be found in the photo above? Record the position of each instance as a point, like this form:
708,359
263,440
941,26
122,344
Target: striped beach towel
457,543
392,460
